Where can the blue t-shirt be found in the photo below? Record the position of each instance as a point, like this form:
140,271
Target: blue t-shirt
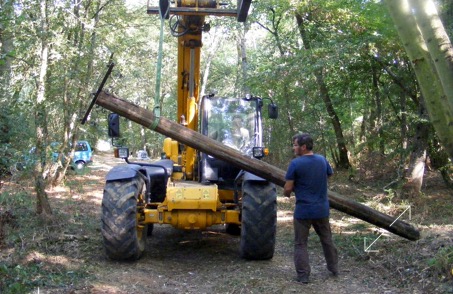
309,173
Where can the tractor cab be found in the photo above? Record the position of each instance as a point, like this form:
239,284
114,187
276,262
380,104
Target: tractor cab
236,123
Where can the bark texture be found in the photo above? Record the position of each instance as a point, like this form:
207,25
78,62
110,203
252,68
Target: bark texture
42,203
437,103
437,42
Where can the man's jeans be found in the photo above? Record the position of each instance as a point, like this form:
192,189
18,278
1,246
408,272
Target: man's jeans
301,232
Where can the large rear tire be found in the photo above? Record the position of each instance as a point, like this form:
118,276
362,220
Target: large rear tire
124,238
259,220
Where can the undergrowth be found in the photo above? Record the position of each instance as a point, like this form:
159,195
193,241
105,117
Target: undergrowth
427,262
63,251
39,252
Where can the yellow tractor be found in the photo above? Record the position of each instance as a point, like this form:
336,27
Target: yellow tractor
186,188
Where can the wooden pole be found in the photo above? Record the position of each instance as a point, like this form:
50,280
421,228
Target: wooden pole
260,168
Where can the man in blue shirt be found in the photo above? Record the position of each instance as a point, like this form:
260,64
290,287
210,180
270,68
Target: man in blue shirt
307,177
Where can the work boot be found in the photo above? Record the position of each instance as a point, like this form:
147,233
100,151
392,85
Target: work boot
335,273
333,270
302,279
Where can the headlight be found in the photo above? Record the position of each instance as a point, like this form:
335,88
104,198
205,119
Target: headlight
121,152
260,152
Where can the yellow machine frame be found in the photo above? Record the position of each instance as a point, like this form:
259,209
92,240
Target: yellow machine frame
189,204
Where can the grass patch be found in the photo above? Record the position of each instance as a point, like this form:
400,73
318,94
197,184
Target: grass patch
36,274
64,254
45,252
442,263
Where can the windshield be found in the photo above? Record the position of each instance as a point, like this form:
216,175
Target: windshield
232,122
81,146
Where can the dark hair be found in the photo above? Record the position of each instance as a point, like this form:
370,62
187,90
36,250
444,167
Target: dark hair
304,139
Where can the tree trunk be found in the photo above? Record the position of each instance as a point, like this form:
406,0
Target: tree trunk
439,160
379,133
416,171
274,31
42,204
363,123
211,51
437,104
75,85
403,126
243,62
258,167
438,43
6,48
343,160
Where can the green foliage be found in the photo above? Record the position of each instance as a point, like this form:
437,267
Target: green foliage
13,125
351,41
13,201
442,263
353,245
24,278
446,14
29,266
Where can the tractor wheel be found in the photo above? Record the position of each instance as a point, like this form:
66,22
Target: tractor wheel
124,238
259,220
79,165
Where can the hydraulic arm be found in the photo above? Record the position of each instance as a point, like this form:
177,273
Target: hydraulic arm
187,23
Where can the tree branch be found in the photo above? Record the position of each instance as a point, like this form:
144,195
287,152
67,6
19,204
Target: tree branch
397,80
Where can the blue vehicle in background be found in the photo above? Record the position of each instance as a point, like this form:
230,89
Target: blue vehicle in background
83,154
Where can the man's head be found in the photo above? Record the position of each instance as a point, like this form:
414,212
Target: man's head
302,143
237,120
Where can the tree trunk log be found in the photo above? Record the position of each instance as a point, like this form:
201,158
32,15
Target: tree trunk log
260,168
437,104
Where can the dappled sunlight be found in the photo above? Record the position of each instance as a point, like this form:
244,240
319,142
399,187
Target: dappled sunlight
58,192
93,177
76,193
285,216
102,288
6,254
340,223
285,210
441,230
89,188
401,210
86,187
19,186
104,162
355,226
48,260
95,197
73,250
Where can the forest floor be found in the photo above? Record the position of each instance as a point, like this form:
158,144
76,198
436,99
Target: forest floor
65,254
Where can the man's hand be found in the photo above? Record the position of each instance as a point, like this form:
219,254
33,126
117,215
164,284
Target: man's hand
288,188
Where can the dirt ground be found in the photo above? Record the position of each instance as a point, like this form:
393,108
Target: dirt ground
208,262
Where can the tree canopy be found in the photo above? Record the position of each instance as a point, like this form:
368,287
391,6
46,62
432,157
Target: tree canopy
351,73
